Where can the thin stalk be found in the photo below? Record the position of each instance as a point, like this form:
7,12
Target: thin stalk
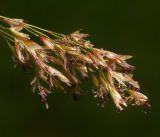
50,32
38,32
32,32
8,35
8,43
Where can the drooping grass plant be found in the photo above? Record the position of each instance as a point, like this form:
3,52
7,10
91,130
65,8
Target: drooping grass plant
61,62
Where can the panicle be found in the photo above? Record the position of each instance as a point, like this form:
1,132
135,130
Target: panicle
64,62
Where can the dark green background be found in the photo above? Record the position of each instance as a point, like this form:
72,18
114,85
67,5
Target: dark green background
123,26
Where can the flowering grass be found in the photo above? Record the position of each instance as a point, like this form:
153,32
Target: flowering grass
61,62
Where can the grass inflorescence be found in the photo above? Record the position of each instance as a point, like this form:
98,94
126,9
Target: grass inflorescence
61,62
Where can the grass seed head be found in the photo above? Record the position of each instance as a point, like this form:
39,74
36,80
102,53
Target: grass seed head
62,62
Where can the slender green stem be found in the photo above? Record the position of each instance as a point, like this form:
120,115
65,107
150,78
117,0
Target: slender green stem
8,43
55,34
31,32
49,32
7,34
6,37
36,31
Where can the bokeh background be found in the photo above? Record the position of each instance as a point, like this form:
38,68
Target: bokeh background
122,26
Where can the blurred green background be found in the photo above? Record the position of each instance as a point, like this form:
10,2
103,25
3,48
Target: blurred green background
124,26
